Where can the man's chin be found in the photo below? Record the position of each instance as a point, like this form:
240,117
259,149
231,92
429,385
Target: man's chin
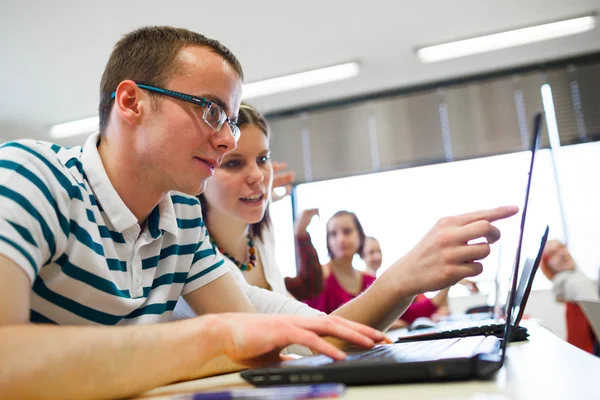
194,191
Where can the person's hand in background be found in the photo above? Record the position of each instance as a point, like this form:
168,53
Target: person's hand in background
281,179
304,220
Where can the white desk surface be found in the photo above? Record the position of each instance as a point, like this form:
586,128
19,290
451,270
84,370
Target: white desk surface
543,367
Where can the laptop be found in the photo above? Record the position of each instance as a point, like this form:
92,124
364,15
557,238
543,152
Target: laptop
493,324
474,357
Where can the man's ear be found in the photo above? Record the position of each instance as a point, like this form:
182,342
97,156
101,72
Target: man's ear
130,102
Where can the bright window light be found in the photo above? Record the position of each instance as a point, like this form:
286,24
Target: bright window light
300,80
550,113
503,40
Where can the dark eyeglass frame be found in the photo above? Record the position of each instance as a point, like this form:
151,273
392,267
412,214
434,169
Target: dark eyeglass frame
198,101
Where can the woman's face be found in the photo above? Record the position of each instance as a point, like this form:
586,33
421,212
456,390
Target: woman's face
372,254
342,236
242,184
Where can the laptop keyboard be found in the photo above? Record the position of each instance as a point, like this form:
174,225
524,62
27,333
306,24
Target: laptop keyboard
461,325
406,352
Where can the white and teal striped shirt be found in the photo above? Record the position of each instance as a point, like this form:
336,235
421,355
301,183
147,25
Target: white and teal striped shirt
64,224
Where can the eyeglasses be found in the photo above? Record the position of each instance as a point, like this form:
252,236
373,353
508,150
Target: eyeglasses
213,114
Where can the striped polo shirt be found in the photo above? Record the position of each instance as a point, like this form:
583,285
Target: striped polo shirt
64,224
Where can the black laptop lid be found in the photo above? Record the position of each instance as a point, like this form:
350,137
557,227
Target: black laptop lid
526,282
535,144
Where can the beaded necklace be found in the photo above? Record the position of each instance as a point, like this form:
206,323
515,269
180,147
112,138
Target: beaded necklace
251,255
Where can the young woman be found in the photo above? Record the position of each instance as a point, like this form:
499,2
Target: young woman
342,282
235,208
371,255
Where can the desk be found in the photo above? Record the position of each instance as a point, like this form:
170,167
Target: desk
543,367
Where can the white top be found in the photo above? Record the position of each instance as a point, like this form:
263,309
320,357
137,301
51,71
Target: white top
64,224
277,301
571,285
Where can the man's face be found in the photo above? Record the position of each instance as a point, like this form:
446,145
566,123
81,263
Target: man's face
176,148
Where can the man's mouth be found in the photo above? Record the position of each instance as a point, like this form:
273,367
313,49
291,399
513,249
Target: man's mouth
253,198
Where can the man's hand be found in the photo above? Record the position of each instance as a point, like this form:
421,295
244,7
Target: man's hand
253,339
304,220
281,178
444,256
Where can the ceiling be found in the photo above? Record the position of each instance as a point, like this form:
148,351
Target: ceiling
54,52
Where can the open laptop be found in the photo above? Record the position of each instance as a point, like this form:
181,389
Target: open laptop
493,325
431,360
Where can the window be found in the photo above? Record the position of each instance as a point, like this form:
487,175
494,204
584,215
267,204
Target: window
399,207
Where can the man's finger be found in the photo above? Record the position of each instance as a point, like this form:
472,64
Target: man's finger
468,269
470,252
340,328
490,215
476,230
314,342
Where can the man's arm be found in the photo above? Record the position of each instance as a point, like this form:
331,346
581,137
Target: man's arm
47,361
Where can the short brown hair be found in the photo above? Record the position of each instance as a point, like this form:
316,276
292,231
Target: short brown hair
361,232
147,55
248,115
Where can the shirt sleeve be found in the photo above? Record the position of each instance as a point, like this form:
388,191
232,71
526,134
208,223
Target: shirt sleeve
36,193
207,265
309,282
267,302
572,285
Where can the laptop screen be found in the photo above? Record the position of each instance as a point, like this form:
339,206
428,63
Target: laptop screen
510,307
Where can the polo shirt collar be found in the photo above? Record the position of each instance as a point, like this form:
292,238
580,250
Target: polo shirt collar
162,218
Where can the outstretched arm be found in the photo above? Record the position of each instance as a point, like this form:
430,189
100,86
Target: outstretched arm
442,258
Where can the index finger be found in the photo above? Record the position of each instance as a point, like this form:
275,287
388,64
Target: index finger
490,215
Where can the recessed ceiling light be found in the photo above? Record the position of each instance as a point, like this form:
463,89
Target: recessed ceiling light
503,40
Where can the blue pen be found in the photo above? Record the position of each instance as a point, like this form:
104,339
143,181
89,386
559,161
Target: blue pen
288,392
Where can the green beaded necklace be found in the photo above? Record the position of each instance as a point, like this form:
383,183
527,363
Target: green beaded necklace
251,255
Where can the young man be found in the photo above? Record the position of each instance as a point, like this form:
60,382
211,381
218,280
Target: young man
94,236
98,236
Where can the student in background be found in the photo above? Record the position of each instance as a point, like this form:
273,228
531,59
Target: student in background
235,209
569,284
341,280
307,260
371,255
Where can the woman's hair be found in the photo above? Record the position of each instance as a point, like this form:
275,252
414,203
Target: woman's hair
248,115
359,228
